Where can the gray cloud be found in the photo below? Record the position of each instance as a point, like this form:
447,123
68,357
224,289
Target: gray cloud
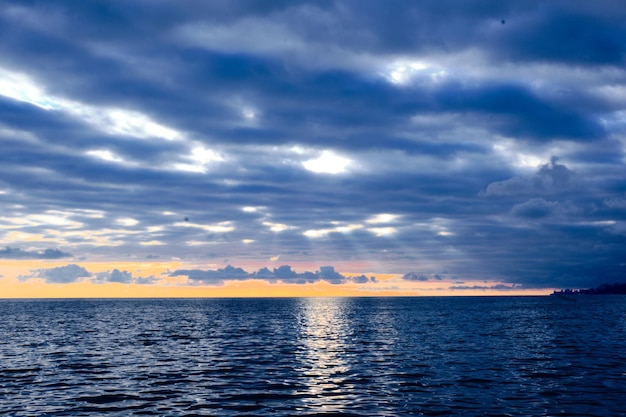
538,208
122,277
61,274
75,273
498,287
414,276
16,253
550,178
283,273
362,279
418,276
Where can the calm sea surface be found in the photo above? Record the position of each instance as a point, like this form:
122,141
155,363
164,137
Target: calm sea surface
510,356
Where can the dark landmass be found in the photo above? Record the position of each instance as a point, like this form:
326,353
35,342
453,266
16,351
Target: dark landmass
604,289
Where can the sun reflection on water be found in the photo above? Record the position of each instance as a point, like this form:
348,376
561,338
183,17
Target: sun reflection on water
324,331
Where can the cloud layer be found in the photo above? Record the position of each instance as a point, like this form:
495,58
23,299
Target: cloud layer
482,140
72,273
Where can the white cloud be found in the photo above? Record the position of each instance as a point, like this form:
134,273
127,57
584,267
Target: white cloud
382,218
198,243
127,221
122,122
382,231
317,233
249,209
328,163
105,155
20,87
198,160
58,218
404,71
221,227
116,121
278,227
152,243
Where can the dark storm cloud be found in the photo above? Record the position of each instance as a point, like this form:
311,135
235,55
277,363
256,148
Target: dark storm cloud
16,253
118,120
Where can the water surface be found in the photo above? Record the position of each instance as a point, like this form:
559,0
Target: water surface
491,356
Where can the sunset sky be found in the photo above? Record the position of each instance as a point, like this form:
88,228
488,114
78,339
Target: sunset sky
246,148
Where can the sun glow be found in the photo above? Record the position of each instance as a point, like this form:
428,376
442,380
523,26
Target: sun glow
152,279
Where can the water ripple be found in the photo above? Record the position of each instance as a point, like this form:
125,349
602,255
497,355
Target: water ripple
314,357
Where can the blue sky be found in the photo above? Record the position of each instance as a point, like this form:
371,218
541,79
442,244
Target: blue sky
436,140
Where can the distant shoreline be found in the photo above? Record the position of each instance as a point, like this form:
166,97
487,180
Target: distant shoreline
604,289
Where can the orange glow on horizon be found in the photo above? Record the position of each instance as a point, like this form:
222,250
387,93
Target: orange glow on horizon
387,285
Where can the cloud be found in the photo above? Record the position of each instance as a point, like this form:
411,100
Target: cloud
551,41
16,253
60,275
414,276
122,277
550,178
283,273
328,273
362,279
497,287
213,276
538,208
151,280
516,111
74,273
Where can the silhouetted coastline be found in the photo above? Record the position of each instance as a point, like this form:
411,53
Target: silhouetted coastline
604,289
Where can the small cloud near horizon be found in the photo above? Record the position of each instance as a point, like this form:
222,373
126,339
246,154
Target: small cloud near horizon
16,253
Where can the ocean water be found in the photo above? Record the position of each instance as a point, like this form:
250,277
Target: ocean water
483,356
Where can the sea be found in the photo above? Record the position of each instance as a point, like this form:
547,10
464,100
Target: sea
413,356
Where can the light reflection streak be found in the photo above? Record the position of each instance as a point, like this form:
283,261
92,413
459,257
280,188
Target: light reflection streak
324,330
342,341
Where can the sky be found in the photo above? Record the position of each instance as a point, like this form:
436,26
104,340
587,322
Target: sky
242,148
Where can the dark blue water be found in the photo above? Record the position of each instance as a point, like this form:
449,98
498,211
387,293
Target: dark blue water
517,356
